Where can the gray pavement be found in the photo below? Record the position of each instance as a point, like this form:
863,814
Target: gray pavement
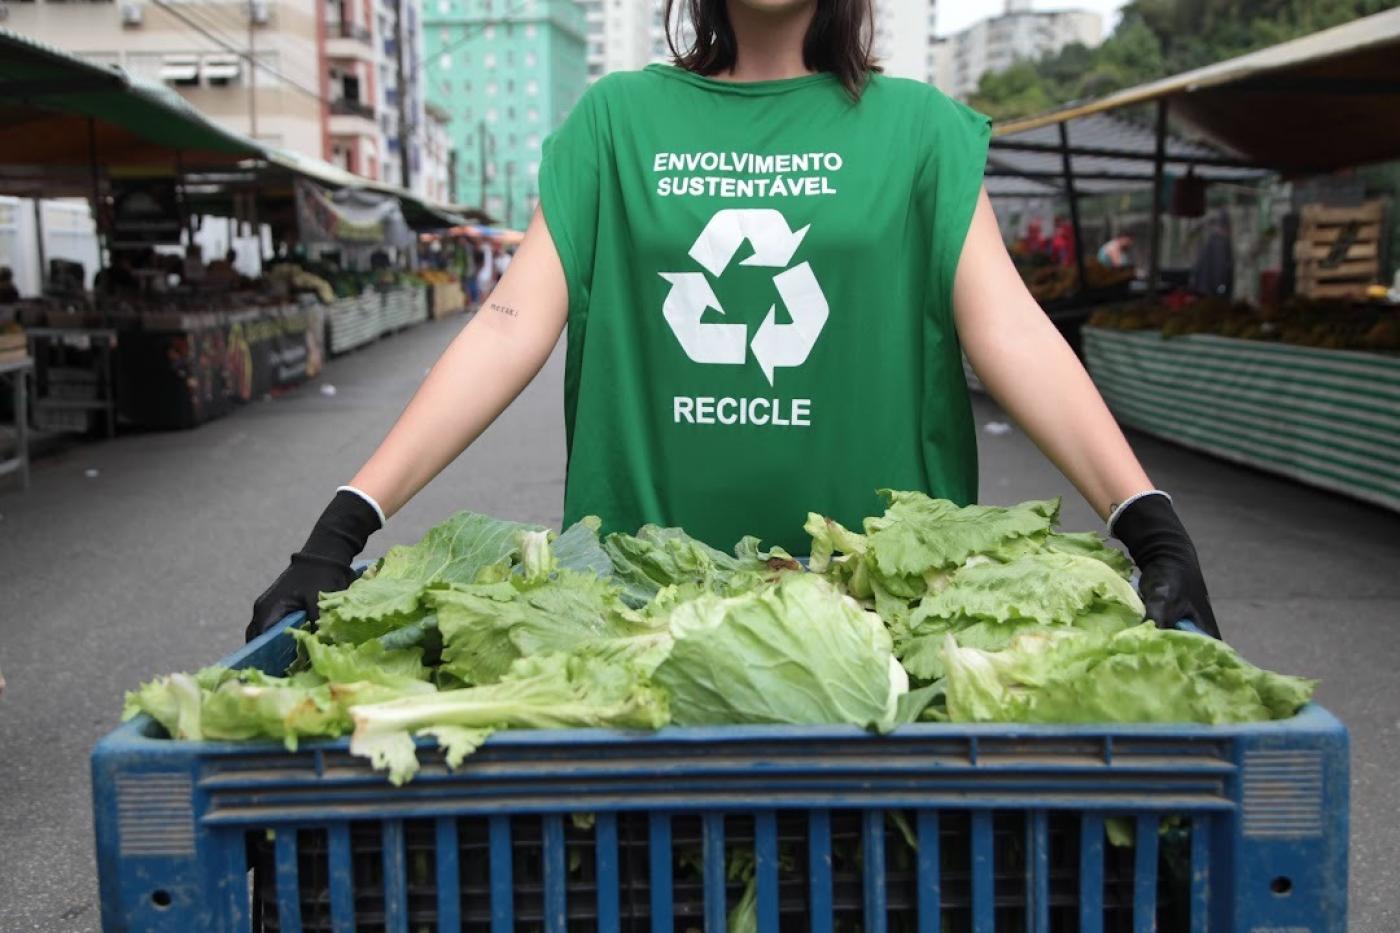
151,565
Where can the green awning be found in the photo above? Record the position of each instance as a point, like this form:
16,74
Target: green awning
57,109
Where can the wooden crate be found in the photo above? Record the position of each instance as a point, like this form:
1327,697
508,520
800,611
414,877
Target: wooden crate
1327,267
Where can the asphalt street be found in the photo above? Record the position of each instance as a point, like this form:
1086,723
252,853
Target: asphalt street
143,555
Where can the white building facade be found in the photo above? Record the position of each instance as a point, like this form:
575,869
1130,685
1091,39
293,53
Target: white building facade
624,35
905,32
997,43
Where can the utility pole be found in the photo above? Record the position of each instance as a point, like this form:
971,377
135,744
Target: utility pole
252,72
405,140
510,191
481,142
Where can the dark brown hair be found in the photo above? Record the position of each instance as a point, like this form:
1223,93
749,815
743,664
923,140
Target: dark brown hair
838,41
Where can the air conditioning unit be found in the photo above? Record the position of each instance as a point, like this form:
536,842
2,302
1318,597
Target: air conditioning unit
259,11
131,14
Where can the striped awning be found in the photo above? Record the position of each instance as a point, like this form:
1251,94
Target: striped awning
1330,418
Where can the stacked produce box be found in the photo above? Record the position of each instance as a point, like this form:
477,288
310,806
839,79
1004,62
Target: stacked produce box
1338,250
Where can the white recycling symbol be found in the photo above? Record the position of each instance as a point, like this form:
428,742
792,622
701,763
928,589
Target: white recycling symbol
774,244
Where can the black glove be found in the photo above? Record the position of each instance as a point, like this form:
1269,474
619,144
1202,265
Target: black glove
321,566
1172,586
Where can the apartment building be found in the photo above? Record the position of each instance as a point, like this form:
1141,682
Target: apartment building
905,34
506,73
997,43
319,77
624,35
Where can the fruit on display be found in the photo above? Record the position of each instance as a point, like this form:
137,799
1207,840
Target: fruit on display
1308,322
1053,282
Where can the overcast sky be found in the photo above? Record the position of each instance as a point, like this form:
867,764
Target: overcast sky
954,15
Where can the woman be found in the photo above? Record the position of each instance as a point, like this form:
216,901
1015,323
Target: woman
770,258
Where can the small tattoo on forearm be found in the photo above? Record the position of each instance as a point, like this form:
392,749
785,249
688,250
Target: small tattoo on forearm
504,309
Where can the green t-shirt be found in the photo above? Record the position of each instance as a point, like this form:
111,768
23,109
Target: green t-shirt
760,299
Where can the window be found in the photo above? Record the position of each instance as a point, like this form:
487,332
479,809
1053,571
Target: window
489,60
531,60
532,142
510,85
532,87
489,32
530,30
533,115
445,61
491,88
534,169
491,115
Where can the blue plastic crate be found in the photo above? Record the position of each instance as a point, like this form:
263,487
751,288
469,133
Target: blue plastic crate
1238,829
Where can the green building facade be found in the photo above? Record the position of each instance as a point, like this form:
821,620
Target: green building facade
507,72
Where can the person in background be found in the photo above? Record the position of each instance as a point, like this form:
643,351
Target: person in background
1034,241
486,272
8,293
1214,271
223,271
1062,243
1116,253
192,270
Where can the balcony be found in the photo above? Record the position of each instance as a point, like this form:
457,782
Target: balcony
346,107
344,30
348,40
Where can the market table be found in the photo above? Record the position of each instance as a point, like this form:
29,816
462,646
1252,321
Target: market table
66,385
18,372
1330,418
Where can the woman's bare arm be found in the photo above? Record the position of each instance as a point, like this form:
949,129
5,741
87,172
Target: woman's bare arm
1030,370
478,375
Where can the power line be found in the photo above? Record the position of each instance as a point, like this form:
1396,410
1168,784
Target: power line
253,62
209,16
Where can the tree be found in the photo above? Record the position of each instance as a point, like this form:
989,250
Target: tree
1157,38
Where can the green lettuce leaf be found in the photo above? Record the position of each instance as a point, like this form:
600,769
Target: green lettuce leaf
487,628
401,669
654,558
218,704
910,549
545,692
1141,674
1047,587
390,594
580,549
1090,544
987,605
795,652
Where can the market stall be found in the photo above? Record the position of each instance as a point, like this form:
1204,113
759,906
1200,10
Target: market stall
169,338
1305,380
1299,391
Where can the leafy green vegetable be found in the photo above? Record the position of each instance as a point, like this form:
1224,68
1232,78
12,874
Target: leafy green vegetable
988,604
993,614
487,628
390,594
1089,544
221,704
579,548
545,692
1141,674
657,557
794,652
910,549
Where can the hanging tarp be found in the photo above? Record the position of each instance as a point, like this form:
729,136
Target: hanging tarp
349,217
